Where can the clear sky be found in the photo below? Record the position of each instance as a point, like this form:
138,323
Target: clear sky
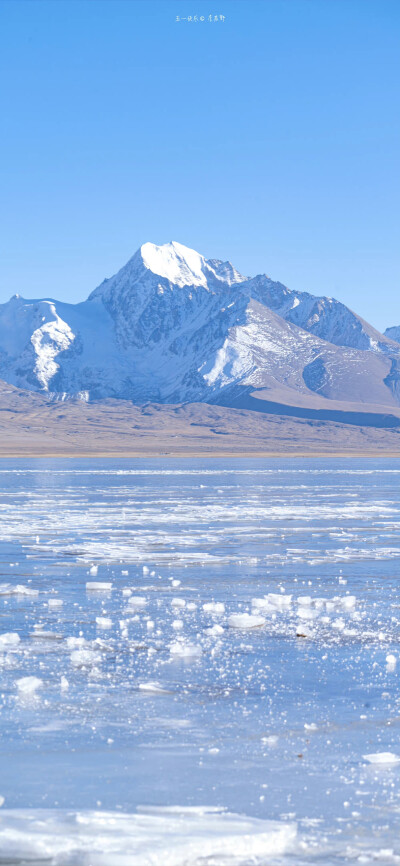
270,139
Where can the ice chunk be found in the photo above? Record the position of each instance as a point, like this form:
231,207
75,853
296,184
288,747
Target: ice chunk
98,586
186,651
245,620
177,624
9,639
85,658
261,603
279,600
382,758
153,688
103,622
137,601
75,642
215,630
171,836
93,570
178,602
55,602
28,685
349,601
214,607
306,613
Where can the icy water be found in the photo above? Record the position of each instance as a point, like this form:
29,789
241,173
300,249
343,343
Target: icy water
199,662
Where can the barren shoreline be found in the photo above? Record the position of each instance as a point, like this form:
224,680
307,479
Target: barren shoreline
31,427
212,455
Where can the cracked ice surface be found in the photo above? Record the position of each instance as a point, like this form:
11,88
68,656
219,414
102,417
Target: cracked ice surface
194,633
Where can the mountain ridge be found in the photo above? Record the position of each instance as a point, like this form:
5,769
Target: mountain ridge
173,327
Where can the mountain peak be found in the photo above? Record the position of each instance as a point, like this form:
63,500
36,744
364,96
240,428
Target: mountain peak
174,326
172,262
176,263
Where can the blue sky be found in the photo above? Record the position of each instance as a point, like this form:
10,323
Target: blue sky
270,138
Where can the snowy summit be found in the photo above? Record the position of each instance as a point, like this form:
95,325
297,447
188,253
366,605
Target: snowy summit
172,326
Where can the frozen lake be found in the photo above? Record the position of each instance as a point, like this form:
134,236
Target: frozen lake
190,637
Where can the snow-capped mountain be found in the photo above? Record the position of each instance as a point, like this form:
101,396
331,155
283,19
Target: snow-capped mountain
325,317
173,327
393,333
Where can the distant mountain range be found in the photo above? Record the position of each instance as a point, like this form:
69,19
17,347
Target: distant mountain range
172,327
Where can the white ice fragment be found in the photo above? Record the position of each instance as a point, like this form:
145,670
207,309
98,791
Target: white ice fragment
261,603
349,601
145,569
382,758
126,592
191,605
310,727
215,630
245,620
170,836
103,621
273,600
93,570
124,572
271,741
75,642
307,613
55,602
28,685
85,658
279,600
186,651
64,684
338,624
391,660
137,601
178,602
9,639
175,582
304,600
177,624
98,586
153,688
20,589
214,607
150,625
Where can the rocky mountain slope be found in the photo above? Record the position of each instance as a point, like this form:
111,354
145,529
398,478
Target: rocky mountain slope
393,333
173,327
